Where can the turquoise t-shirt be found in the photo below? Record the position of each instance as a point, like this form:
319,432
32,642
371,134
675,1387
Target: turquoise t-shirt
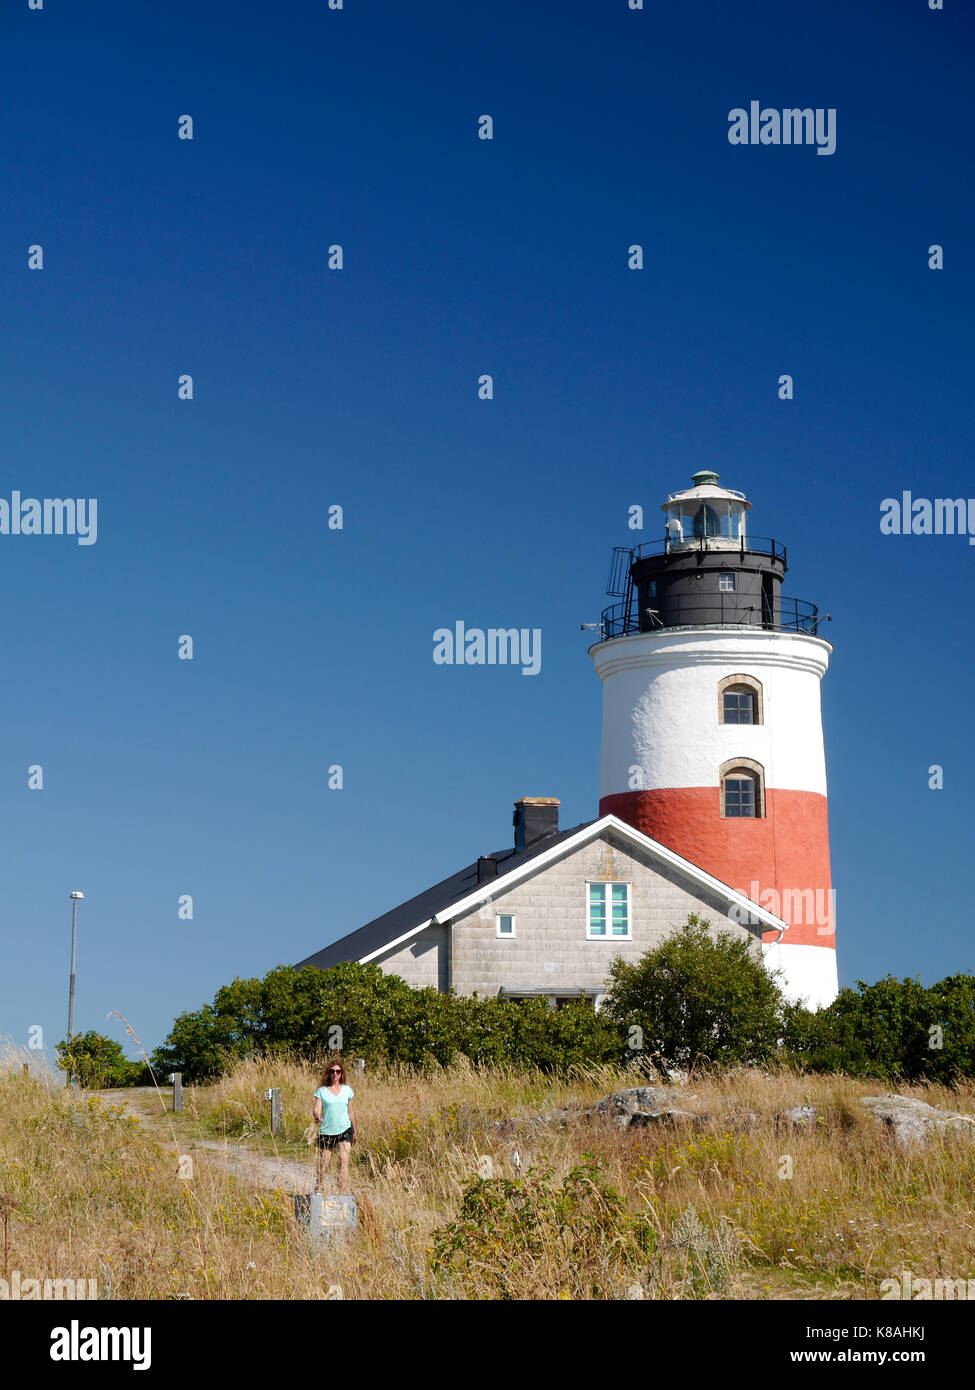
335,1110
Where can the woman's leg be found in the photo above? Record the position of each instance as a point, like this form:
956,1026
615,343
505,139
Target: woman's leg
324,1164
344,1149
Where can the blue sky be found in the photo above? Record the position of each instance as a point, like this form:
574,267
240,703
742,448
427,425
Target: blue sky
358,388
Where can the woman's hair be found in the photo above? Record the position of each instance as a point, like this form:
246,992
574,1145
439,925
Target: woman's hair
335,1062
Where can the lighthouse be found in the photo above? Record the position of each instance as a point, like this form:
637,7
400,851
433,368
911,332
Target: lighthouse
712,738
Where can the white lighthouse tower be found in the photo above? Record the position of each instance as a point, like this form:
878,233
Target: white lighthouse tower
712,729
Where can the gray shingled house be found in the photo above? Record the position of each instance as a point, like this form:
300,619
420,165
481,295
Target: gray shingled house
545,917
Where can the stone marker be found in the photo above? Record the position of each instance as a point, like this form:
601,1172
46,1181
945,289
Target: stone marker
327,1218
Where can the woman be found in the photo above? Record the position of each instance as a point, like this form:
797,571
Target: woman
336,1123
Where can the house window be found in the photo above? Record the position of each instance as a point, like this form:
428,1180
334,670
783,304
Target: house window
608,906
740,700
742,789
505,924
726,583
739,705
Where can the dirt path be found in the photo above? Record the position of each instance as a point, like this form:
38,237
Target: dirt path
259,1170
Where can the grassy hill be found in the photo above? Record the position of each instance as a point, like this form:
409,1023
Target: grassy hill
735,1205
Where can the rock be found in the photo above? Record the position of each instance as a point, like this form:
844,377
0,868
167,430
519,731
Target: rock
643,1098
913,1121
640,1105
644,1118
798,1117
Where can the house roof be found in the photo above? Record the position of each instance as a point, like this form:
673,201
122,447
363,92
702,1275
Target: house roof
376,936
457,895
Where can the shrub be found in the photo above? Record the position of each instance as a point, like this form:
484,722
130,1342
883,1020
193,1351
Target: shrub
699,998
361,1011
891,1030
507,1230
97,1062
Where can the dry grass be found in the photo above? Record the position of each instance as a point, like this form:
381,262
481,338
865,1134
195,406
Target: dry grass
704,1212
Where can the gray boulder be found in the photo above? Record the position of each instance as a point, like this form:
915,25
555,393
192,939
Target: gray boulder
799,1117
651,1118
911,1121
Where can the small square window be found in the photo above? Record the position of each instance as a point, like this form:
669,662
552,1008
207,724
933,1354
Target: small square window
652,591
726,583
505,924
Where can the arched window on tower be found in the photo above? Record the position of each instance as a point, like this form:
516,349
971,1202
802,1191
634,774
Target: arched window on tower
740,700
742,789
739,705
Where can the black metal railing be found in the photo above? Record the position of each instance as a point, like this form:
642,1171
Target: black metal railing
712,610
758,545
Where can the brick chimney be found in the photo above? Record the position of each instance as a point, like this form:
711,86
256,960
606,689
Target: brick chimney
536,818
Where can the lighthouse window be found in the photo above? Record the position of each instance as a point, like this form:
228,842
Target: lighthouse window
742,789
609,911
729,525
740,797
706,522
726,583
740,706
740,700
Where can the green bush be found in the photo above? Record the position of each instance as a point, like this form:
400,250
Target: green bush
506,1230
99,1063
361,1011
698,998
894,1029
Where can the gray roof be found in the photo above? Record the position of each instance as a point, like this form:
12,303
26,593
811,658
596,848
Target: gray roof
415,911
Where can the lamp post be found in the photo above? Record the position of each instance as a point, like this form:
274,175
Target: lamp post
75,899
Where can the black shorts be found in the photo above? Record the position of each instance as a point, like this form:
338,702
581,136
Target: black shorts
328,1141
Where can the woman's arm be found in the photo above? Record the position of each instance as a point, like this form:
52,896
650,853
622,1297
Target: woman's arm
352,1121
317,1109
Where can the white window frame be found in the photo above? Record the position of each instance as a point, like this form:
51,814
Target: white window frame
609,883
505,935
724,587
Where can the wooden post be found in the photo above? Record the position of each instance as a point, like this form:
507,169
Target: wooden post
176,1077
273,1094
